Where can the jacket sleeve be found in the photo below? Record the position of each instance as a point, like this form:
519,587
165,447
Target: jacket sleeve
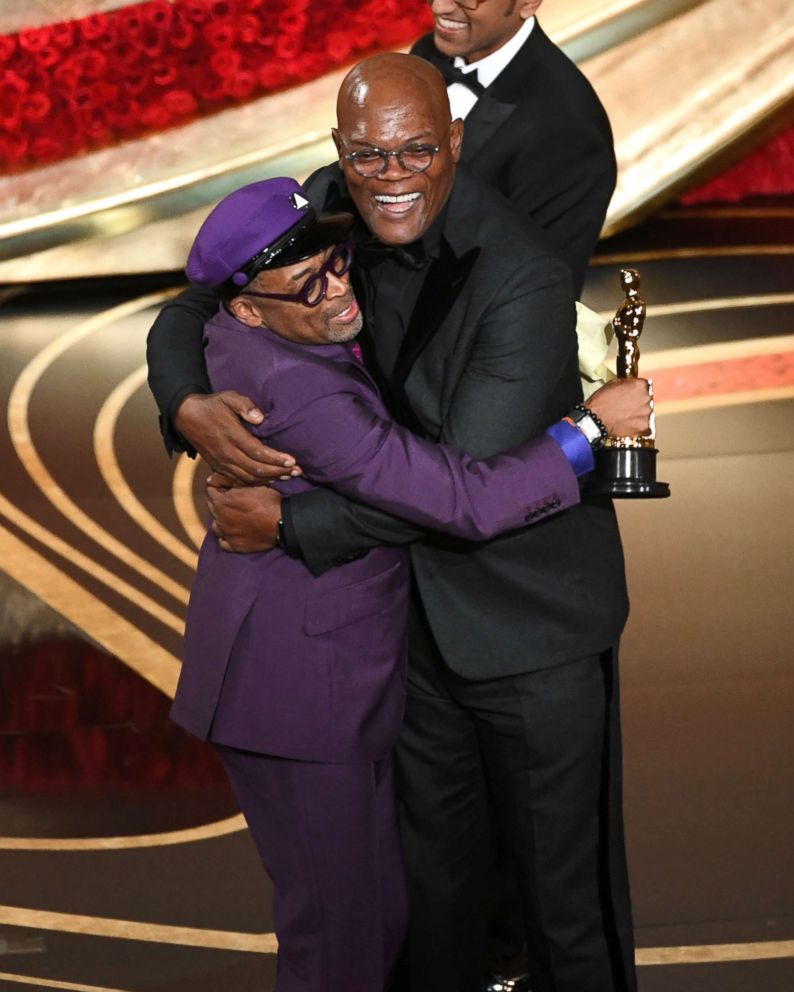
175,355
524,354
342,442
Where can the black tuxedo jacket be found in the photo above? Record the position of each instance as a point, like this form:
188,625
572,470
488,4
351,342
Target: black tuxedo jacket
540,135
489,361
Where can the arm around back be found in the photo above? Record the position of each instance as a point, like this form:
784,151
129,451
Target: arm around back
175,355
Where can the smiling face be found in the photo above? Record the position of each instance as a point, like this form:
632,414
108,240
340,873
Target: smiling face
474,33
390,102
336,318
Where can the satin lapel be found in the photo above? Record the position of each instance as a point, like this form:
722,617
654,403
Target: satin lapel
441,288
483,122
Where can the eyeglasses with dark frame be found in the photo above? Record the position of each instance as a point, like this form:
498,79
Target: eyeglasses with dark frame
312,292
372,162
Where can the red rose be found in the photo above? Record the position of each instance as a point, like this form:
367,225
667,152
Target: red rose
34,39
8,45
272,75
136,81
293,21
240,86
66,74
13,147
104,93
12,84
220,10
126,55
159,15
288,46
180,102
36,106
163,73
181,34
93,26
152,43
63,34
194,11
156,116
110,39
220,34
46,148
225,62
92,64
338,45
130,21
248,28
96,128
48,57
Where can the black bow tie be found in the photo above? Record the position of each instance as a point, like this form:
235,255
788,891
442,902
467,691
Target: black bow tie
452,74
412,256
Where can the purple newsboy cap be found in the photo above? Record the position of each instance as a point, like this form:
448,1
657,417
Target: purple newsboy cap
263,225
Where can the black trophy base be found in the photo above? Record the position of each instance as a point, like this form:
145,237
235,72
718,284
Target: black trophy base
627,473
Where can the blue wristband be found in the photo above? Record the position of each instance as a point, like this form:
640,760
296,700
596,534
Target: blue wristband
575,446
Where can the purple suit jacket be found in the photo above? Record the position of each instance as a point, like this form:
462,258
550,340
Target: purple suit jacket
283,663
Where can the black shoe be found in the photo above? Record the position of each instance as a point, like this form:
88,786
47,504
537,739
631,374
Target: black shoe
498,983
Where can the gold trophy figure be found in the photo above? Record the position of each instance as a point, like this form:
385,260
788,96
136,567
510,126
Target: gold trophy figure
626,466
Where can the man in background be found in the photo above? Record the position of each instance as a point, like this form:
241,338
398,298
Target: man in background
535,128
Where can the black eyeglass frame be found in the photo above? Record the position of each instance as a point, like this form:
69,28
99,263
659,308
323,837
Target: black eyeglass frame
344,250
398,153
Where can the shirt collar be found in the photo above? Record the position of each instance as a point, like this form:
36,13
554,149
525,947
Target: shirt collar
490,67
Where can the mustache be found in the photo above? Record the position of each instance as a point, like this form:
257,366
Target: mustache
344,306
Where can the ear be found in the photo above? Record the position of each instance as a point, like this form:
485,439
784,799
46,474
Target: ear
243,309
529,8
456,139
337,141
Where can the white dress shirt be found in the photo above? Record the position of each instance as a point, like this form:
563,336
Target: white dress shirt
461,98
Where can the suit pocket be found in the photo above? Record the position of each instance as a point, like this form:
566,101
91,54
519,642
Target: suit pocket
346,605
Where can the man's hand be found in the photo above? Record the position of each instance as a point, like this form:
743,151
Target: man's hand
624,405
244,518
211,423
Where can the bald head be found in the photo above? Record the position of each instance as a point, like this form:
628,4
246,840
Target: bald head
393,79
397,103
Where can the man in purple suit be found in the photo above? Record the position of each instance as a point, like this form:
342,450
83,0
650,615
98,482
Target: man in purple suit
299,681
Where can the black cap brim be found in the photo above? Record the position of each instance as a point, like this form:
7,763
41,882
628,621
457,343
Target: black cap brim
312,234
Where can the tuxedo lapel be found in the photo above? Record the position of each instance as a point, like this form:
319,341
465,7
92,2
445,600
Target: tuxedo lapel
485,119
441,288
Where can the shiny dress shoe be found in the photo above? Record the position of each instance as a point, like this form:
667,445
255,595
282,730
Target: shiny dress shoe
498,983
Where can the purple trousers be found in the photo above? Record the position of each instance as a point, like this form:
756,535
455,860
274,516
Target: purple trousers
327,836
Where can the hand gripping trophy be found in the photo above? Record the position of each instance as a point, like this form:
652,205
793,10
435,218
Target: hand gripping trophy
626,466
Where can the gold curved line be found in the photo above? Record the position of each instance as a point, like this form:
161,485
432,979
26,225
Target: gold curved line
661,254
190,835
184,504
721,351
52,983
105,453
156,933
266,943
118,636
696,403
86,564
713,953
715,303
19,431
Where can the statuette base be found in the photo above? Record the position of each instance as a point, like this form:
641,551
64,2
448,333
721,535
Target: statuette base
627,473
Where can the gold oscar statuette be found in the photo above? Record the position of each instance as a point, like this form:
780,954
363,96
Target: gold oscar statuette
626,466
